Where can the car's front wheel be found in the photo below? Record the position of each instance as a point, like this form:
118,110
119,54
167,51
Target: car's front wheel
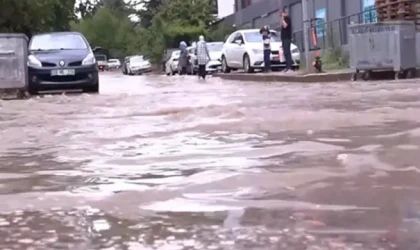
247,65
225,67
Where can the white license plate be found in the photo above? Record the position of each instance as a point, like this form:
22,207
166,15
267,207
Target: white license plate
63,72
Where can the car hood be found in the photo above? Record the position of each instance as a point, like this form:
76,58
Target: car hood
215,55
55,56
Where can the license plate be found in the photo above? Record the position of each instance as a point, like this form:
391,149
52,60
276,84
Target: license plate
276,58
63,72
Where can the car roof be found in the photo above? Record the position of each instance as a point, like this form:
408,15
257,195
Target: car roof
251,30
60,33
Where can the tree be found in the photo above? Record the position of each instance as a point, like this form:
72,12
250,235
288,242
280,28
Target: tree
189,12
88,8
29,17
149,10
108,29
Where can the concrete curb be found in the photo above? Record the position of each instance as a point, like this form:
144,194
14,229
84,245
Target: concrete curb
278,77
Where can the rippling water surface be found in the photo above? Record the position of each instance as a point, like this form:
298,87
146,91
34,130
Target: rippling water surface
174,163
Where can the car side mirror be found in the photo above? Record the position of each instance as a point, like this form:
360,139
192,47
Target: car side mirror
238,42
96,49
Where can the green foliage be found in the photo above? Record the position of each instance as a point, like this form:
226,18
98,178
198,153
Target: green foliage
106,23
334,59
108,29
29,16
88,8
189,12
149,10
176,21
220,32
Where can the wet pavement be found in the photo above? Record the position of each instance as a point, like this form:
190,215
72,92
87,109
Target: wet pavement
170,163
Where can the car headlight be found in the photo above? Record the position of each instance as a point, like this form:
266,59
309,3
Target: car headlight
89,59
33,61
257,51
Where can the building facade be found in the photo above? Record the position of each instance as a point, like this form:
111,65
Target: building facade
333,16
225,8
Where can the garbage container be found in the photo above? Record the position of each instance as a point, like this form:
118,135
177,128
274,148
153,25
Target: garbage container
13,61
381,46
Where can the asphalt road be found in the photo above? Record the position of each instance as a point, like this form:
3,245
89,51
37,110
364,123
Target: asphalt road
157,162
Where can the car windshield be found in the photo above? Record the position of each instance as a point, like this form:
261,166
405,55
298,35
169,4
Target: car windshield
58,41
137,59
113,61
100,58
215,47
256,37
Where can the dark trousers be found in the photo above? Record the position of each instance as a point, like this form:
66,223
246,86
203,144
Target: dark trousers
202,71
287,53
183,71
267,60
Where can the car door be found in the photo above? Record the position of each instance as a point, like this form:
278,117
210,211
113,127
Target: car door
228,49
238,50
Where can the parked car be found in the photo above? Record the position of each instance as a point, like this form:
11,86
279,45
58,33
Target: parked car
215,63
244,50
138,65
171,67
114,64
102,62
61,61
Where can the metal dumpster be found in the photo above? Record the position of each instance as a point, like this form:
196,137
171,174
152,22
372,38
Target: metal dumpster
381,46
13,61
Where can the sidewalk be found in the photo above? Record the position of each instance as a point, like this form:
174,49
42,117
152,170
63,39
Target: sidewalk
298,76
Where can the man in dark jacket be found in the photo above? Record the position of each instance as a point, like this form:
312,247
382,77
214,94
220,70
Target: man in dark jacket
286,39
265,32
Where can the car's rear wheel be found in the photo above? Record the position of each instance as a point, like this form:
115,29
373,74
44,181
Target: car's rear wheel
247,65
225,67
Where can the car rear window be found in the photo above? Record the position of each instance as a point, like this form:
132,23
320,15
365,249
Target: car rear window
58,41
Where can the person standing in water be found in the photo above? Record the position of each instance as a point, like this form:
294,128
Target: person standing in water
265,32
203,57
183,58
286,39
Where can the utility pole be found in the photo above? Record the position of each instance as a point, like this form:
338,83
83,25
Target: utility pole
306,33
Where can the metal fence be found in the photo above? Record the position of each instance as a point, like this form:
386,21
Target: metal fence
333,34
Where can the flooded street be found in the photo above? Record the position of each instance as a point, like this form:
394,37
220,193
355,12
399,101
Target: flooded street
173,163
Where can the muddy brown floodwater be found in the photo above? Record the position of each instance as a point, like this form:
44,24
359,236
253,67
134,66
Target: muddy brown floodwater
172,163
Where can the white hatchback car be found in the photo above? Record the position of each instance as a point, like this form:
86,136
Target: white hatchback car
244,50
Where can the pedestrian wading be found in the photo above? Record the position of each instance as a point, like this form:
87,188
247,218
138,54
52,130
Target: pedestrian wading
203,57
